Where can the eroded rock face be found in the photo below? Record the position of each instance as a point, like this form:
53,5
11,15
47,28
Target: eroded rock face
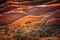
53,21
41,10
56,14
24,20
55,17
37,2
9,17
40,23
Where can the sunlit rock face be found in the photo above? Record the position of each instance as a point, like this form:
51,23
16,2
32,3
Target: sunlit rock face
36,23
40,10
39,30
37,2
30,27
24,20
